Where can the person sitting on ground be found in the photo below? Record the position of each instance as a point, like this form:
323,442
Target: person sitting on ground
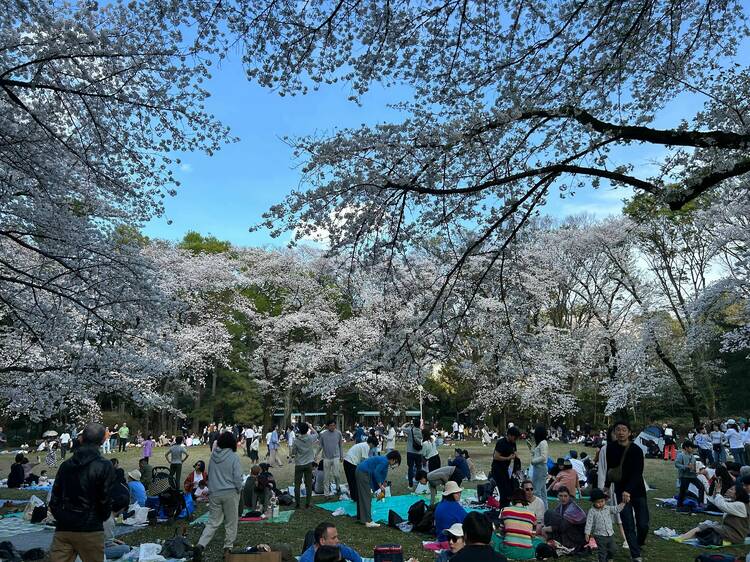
328,554
567,478
517,527
565,523
319,477
201,493
460,462
534,503
470,463
198,474
599,525
29,477
735,523
477,529
455,536
579,467
449,510
326,534
114,549
16,477
147,473
439,477
136,488
686,472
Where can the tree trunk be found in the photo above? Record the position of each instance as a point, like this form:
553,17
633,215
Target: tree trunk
687,392
213,383
196,420
286,422
267,413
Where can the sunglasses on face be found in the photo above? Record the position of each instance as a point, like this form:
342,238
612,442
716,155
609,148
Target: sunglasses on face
528,489
454,539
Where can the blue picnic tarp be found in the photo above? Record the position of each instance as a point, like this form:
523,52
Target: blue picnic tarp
399,504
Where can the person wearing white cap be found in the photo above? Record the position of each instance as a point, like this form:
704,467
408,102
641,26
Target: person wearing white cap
449,510
455,535
136,487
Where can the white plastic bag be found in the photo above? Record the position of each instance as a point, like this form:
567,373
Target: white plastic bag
29,509
140,515
149,552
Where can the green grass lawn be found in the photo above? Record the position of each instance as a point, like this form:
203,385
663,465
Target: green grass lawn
658,473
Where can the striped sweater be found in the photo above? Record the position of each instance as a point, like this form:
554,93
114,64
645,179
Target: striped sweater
519,523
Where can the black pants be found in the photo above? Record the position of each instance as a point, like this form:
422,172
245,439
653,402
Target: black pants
63,449
303,471
121,447
433,463
635,524
413,463
248,443
175,471
705,456
350,471
685,481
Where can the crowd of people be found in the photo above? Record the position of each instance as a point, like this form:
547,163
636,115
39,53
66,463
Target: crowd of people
520,519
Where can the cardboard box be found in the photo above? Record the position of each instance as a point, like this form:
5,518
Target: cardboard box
253,557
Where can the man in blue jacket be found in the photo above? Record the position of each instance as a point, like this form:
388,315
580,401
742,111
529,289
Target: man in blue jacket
326,534
370,477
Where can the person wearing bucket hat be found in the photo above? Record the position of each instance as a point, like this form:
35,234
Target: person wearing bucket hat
136,487
567,478
449,510
455,535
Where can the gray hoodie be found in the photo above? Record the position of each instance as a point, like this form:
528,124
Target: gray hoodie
225,473
304,448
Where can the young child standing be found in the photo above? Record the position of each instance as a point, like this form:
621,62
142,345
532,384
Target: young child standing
599,525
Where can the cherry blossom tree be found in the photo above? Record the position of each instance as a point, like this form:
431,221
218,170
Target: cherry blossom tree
508,104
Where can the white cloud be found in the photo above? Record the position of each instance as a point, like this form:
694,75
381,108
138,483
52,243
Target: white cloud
185,167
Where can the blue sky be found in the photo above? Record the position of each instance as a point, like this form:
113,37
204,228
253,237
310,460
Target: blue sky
225,194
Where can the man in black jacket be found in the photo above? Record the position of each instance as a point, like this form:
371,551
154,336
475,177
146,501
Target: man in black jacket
81,500
625,471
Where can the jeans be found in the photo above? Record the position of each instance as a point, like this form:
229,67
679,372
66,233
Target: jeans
116,551
413,463
539,479
739,456
720,456
635,524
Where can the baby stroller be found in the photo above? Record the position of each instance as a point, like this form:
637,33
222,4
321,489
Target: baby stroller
164,486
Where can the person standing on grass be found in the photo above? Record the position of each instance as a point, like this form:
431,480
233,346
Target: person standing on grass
413,450
703,442
599,525
430,452
176,455
670,446
64,443
81,501
717,444
224,494
503,459
124,434
332,450
148,446
735,439
539,458
370,476
390,438
249,434
303,453
625,472
354,456
273,447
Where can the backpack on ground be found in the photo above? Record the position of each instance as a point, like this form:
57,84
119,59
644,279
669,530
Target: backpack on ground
394,519
416,512
286,499
709,537
427,523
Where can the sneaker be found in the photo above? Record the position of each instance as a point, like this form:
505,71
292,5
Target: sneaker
372,525
625,545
